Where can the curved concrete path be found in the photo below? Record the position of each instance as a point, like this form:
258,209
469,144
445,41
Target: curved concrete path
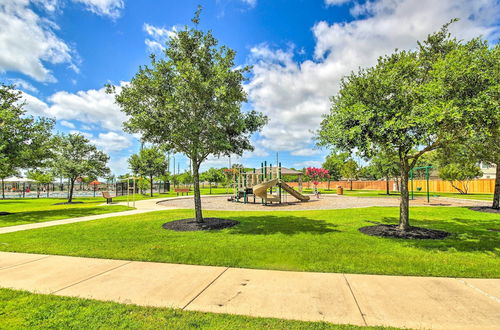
143,206
398,301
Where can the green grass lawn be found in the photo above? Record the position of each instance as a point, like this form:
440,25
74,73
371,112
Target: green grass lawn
23,310
381,193
320,241
31,210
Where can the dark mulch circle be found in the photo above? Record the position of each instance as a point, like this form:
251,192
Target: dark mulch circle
192,225
5,213
412,233
486,209
66,203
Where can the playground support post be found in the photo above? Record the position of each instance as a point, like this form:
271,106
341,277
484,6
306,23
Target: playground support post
279,178
427,171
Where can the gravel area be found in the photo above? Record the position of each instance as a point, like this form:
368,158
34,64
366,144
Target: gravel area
326,202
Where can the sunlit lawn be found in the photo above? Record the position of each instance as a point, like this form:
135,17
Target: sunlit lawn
23,310
31,210
382,193
321,241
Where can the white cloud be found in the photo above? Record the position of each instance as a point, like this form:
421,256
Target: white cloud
23,84
91,106
110,8
119,165
112,141
34,106
251,3
67,124
158,36
48,5
307,163
28,41
294,95
336,2
305,152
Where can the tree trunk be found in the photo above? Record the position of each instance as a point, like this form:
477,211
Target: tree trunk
350,182
387,189
151,184
210,185
71,187
197,197
496,194
404,208
3,189
328,184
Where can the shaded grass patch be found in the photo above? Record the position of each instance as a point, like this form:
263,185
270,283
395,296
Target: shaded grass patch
321,241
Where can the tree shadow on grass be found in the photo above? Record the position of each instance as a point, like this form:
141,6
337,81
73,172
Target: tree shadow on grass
466,235
287,225
47,215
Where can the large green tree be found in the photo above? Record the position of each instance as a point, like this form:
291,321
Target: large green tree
350,170
75,157
190,101
24,140
407,105
41,177
213,175
385,164
334,163
470,79
149,162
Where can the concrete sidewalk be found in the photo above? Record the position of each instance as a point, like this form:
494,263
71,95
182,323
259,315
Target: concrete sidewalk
414,302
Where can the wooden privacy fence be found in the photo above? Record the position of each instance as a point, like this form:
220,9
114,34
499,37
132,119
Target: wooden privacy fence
474,186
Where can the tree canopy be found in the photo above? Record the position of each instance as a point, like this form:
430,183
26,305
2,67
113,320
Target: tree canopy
24,140
149,162
75,156
412,102
190,100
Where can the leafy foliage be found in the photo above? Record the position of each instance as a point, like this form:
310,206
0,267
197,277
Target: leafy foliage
189,101
24,140
334,163
75,156
149,162
413,102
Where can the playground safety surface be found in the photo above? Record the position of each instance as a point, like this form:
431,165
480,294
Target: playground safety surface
325,202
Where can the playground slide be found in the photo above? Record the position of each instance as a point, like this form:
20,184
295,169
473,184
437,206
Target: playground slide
260,191
293,192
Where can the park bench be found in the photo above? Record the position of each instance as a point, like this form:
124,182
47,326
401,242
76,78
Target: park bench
182,191
108,197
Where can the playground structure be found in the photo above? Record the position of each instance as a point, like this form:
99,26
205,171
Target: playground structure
427,169
260,184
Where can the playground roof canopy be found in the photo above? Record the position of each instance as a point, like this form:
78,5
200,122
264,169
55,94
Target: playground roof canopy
284,171
17,179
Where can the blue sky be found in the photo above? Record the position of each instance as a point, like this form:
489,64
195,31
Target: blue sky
62,52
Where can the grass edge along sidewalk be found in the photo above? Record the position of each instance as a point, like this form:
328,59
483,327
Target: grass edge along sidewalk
317,241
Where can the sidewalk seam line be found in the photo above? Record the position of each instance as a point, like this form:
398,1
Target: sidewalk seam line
478,290
91,277
24,263
355,300
209,284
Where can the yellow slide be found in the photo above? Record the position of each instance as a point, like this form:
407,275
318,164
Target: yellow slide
293,192
260,191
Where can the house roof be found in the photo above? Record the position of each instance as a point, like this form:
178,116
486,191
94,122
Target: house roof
284,171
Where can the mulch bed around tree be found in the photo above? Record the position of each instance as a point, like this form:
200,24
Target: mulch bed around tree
192,225
68,203
486,209
412,233
5,213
